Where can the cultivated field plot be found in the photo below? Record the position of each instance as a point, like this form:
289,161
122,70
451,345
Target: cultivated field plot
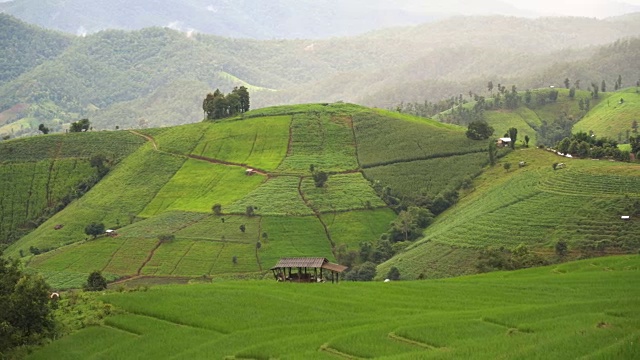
341,192
611,117
386,138
428,176
260,143
124,192
28,189
278,196
432,260
535,205
521,119
114,145
178,139
94,255
223,228
293,237
198,185
582,309
354,227
324,140
198,258
165,223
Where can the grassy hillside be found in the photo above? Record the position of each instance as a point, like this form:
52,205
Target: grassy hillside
534,205
614,116
580,309
40,176
169,186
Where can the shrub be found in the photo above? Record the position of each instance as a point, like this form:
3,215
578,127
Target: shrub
393,274
95,282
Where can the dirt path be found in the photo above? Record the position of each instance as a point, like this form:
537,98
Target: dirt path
317,214
151,253
148,137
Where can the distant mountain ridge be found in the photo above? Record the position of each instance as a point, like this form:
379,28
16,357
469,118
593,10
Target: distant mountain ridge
158,77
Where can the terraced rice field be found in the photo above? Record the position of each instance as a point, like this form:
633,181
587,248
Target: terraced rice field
574,310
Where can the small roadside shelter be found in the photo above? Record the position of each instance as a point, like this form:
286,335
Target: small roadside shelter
307,269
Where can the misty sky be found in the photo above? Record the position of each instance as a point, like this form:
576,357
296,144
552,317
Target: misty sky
591,8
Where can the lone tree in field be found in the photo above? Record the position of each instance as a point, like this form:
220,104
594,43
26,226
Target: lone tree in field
217,209
513,134
95,282
507,166
243,228
479,130
250,211
561,248
94,229
526,140
319,178
493,153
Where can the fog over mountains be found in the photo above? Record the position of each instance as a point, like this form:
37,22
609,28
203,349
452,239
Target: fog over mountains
283,19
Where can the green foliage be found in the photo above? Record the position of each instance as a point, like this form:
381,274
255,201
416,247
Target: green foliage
611,117
513,134
320,178
95,282
94,229
479,130
80,126
393,274
363,272
26,317
166,237
219,106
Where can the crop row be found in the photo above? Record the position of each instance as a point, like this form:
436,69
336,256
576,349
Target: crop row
321,140
384,140
260,143
28,190
429,177
115,145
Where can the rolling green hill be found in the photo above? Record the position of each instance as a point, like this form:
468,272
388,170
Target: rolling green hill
535,205
584,309
169,185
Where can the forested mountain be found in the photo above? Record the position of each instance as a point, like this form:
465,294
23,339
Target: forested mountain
282,19
25,47
159,76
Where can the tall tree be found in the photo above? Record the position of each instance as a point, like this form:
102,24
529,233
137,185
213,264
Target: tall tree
566,83
26,317
513,134
603,86
490,87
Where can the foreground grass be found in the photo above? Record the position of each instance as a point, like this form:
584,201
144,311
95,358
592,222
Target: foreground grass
582,309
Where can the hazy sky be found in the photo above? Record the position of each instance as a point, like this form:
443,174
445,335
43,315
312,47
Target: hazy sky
591,8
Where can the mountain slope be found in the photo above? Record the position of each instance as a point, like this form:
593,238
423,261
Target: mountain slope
534,205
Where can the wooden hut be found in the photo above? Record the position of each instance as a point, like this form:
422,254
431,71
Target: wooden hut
306,270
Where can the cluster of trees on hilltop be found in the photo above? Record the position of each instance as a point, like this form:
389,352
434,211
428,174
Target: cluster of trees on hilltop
219,105
584,145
